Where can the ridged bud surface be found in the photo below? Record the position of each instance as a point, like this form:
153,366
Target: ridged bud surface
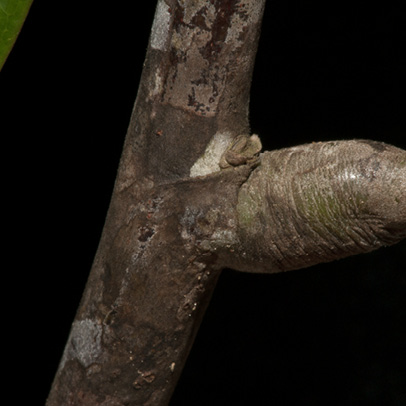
319,202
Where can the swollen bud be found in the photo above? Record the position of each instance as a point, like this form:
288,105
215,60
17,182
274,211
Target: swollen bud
319,202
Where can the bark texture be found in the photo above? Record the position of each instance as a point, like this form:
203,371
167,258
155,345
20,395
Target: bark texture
151,279
176,218
319,202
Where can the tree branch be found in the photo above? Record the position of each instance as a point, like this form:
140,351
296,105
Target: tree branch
190,199
151,281
319,202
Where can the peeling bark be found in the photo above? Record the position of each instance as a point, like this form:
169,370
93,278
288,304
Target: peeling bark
176,218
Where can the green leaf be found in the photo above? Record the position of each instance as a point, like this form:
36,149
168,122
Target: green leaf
12,16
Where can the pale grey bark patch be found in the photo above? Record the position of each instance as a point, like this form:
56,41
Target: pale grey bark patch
85,342
249,13
160,27
209,161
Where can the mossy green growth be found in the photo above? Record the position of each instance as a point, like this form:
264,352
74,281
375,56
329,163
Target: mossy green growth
330,212
247,208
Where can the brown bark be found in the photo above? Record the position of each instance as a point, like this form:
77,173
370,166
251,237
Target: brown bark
170,229
151,281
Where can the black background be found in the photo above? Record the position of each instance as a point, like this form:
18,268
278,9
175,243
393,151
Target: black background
333,334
